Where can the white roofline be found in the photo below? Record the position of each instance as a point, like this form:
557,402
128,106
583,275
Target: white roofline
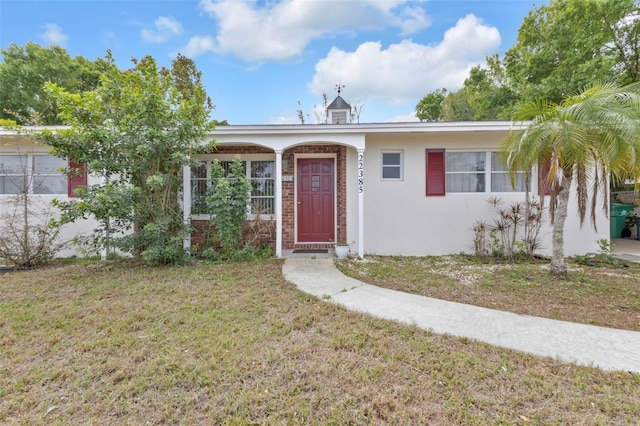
360,128
410,127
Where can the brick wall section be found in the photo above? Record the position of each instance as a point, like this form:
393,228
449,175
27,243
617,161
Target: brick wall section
288,193
246,149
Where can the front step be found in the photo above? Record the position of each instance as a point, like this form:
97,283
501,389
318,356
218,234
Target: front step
313,246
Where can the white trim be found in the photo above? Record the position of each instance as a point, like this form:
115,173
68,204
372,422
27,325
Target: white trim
365,128
334,156
361,188
401,165
186,203
278,203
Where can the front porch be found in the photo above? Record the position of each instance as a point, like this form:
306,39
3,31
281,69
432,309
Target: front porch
308,188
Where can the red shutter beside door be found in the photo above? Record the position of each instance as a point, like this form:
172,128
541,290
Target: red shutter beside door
435,179
544,186
78,177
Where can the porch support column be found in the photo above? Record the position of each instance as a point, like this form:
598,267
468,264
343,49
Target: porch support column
278,206
361,203
186,203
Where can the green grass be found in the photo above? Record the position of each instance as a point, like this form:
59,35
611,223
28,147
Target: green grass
604,296
121,343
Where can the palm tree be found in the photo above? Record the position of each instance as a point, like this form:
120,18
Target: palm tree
586,140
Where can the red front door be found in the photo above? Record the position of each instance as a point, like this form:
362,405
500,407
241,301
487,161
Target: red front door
316,217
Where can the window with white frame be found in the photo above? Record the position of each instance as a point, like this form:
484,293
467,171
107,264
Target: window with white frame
261,173
479,171
33,174
500,179
391,165
199,185
263,192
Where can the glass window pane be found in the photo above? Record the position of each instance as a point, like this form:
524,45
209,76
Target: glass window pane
391,173
465,182
199,171
48,176
465,161
12,184
263,169
497,165
500,182
262,187
51,184
391,158
226,166
48,165
13,164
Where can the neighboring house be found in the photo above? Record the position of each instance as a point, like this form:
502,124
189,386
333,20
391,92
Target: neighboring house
385,188
28,167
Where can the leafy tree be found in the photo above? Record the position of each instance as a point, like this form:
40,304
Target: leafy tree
457,106
489,91
138,129
586,139
568,44
430,107
485,95
24,72
562,47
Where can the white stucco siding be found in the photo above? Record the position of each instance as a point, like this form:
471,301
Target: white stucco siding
401,220
42,211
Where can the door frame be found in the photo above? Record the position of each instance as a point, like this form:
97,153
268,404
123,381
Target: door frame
334,157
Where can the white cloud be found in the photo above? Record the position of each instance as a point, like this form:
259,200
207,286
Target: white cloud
406,71
53,35
404,118
283,120
197,46
258,32
164,28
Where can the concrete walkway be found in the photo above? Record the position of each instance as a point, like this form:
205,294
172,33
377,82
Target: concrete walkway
606,348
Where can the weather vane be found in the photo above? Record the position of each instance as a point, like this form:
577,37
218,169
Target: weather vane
339,88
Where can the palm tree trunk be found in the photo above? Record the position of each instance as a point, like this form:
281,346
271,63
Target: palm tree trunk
558,266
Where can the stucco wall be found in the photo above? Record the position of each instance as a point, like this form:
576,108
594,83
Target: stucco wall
41,211
399,219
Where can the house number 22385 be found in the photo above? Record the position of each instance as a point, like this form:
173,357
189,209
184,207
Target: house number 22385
360,173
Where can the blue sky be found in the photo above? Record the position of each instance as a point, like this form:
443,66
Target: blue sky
260,58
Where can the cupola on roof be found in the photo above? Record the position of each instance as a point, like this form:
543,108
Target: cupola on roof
339,110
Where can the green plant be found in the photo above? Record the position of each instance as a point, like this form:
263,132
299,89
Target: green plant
505,239
137,129
604,257
163,245
227,201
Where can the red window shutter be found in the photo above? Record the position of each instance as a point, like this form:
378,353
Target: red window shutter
435,172
77,178
544,186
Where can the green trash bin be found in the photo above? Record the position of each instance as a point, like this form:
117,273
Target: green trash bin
619,214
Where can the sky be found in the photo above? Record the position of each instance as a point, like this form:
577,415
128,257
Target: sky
262,61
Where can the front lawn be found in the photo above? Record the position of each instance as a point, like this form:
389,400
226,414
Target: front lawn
234,343
605,295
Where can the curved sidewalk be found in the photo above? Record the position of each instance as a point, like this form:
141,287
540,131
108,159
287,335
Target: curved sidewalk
606,348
